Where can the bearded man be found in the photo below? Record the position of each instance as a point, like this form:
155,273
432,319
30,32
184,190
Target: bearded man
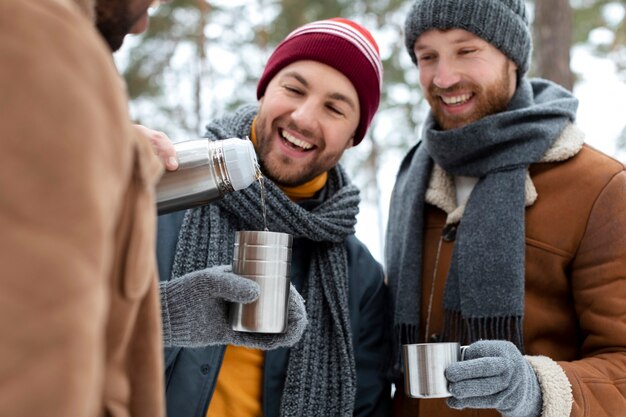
506,231
79,309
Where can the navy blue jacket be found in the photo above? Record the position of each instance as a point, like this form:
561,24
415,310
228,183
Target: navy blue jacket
191,374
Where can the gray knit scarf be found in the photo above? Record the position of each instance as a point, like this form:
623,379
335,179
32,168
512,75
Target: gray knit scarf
484,293
321,374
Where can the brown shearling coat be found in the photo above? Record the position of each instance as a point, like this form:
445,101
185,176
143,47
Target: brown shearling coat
575,302
79,311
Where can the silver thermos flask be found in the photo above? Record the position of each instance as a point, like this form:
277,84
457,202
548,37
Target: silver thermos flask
207,170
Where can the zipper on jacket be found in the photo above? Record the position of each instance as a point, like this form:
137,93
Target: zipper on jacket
448,234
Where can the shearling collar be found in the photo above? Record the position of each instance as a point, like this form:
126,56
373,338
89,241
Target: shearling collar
442,193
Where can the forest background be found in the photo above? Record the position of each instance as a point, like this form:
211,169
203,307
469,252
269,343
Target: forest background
202,58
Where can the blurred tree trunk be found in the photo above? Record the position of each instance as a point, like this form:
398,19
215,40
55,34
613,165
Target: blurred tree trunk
204,9
552,32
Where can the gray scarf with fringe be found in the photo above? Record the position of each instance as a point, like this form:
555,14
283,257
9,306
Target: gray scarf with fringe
484,293
321,374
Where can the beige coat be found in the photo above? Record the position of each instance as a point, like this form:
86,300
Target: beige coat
575,304
79,314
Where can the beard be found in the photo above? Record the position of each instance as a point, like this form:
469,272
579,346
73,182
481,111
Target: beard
490,99
114,20
283,170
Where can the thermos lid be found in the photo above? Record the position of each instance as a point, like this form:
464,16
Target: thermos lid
241,163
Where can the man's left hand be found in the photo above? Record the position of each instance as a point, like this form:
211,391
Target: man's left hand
494,374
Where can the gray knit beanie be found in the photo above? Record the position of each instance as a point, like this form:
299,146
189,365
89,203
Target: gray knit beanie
502,23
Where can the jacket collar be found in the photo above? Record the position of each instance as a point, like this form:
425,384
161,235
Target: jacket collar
442,193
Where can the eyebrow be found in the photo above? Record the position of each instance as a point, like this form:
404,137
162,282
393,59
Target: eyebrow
297,76
333,96
345,99
460,39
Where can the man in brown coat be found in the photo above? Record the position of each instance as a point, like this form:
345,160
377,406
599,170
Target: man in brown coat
79,314
506,232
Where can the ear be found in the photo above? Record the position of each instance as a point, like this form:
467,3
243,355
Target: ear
350,143
512,71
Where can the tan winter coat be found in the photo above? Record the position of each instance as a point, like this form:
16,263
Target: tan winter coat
575,305
79,314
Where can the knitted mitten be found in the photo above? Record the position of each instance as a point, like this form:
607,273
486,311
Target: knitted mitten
494,374
194,311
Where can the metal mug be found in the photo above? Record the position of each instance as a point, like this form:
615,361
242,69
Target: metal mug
264,257
424,366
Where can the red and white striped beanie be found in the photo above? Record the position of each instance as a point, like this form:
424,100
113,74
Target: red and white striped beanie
342,44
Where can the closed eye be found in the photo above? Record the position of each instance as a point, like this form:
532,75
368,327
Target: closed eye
425,57
292,89
335,109
467,51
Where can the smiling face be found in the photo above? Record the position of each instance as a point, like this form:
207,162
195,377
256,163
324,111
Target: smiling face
464,77
306,120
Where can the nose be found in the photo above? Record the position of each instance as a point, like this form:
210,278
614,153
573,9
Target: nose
447,73
306,114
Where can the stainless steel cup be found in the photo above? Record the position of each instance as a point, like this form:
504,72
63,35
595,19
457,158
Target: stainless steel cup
264,257
424,366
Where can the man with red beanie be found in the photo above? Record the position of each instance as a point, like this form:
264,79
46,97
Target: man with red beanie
317,96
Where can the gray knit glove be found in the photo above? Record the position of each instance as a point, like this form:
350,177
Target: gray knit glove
194,311
494,374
